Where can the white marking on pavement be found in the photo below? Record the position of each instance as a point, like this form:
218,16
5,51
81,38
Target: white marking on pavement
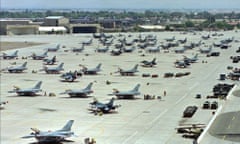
131,136
181,99
162,113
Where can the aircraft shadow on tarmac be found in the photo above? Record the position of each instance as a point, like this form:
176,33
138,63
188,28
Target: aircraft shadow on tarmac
65,141
13,96
80,97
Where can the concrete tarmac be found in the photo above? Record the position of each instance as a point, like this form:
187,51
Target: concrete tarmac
137,121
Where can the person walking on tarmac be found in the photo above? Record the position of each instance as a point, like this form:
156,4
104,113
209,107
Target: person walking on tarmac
164,93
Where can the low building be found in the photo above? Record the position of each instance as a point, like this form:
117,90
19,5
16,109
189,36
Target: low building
52,30
85,28
56,21
13,22
21,29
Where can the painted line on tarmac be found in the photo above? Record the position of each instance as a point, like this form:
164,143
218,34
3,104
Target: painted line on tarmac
161,114
193,86
130,137
181,99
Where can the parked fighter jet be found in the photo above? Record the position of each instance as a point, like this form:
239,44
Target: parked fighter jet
153,49
39,56
97,106
116,52
78,49
102,50
54,70
180,50
10,55
192,45
17,69
128,72
129,49
127,94
183,41
206,37
170,39
52,136
80,92
54,49
69,76
27,91
93,70
50,61
192,59
206,51
146,63
89,42
181,64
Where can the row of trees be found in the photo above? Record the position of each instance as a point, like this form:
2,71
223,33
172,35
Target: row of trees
187,19
115,14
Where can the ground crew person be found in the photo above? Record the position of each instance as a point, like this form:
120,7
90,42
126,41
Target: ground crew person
164,93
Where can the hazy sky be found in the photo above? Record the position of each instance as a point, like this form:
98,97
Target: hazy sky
123,4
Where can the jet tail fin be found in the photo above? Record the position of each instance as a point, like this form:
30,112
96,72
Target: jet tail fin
111,102
135,67
58,46
61,66
89,86
16,52
154,60
196,55
67,126
24,64
99,66
136,88
38,85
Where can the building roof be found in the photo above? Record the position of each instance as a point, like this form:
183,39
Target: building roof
54,17
49,29
152,27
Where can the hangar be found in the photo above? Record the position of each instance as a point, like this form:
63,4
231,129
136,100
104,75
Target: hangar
85,28
21,29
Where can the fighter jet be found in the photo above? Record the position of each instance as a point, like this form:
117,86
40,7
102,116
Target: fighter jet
93,70
53,70
28,91
52,136
102,50
206,50
17,69
128,72
107,42
39,56
78,49
116,52
153,49
129,49
69,76
206,37
79,92
50,61
54,49
97,106
192,59
10,55
180,50
181,64
170,39
127,94
89,42
182,41
146,63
